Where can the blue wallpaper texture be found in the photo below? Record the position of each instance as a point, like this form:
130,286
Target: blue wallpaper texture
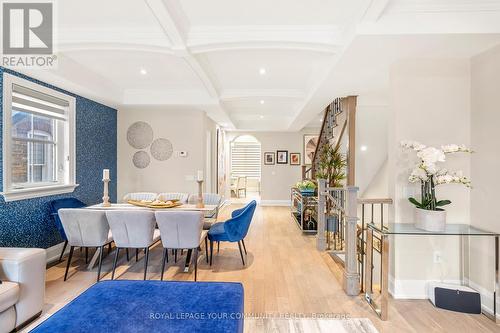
27,223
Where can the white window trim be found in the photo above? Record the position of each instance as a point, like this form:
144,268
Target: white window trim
39,191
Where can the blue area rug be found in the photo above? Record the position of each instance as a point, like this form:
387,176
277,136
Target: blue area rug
151,306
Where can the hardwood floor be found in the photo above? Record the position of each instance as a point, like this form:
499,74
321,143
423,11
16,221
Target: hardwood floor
284,274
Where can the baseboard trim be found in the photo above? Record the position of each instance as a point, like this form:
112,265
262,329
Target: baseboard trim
275,202
412,289
486,298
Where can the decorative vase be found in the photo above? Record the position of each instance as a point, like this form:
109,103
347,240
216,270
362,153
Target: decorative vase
307,192
430,220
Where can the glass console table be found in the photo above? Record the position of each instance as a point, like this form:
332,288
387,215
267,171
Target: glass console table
401,229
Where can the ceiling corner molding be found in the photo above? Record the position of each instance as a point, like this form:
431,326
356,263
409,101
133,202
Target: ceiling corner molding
432,6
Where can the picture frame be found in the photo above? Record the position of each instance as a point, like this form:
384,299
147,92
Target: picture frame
294,158
269,158
282,157
310,143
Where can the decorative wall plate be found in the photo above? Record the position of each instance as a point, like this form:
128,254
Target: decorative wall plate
161,149
141,159
140,135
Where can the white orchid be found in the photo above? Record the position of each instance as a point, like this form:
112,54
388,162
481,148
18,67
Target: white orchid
430,175
418,174
453,148
414,145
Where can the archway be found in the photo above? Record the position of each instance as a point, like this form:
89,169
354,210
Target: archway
245,168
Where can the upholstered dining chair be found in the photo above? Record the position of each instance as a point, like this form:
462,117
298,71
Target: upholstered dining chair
85,228
54,207
181,230
133,229
182,197
233,230
208,199
140,196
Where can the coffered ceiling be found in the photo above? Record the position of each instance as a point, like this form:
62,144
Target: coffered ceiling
252,65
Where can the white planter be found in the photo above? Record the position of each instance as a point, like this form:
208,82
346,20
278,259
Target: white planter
430,220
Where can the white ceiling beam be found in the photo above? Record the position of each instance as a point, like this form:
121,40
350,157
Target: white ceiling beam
107,46
375,10
236,94
173,22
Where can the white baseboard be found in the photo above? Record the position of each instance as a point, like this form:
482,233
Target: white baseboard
412,289
54,252
275,202
486,297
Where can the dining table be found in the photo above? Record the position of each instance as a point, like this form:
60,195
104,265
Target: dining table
128,206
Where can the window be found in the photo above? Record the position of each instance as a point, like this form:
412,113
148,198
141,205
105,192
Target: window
245,157
38,140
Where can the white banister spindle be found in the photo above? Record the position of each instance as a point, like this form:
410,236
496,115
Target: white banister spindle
351,275
321,235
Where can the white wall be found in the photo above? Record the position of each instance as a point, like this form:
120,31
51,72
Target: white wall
430,103
485,131
186,130
276,180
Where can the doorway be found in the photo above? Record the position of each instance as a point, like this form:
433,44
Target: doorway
245,169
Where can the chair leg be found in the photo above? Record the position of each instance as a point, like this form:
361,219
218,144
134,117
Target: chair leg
136,255
211,251
86,255
146,262
114,263
109,248
64,249
244,247
241,254
218,244
206,249
128,256
69,261
175,256
101,250
195,264
165,256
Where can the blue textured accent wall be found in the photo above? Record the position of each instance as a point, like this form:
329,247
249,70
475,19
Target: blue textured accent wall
27,223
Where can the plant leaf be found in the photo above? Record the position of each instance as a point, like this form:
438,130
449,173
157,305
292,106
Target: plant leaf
415,202
441,203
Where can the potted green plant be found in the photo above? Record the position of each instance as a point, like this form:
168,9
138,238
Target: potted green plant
306,187
429,214
332,164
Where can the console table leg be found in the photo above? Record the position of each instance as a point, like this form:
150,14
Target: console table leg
384,299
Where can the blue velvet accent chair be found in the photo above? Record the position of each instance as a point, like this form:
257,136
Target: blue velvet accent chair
233,230
55,205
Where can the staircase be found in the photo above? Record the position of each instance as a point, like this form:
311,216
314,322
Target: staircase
338,121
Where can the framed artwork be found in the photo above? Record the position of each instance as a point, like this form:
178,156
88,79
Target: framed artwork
269,158
294,158
310,144
282,157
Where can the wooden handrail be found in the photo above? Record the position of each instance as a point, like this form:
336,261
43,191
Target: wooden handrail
375,201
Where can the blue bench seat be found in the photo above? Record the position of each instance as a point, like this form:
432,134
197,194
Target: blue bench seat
151,306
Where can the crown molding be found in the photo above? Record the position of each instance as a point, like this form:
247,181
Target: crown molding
432,6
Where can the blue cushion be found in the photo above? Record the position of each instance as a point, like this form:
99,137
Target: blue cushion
236,228
151,306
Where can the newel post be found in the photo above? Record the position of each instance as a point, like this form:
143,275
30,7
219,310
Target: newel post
321,235
351,275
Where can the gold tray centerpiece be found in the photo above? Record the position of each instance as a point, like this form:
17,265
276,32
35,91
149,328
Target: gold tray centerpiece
157,204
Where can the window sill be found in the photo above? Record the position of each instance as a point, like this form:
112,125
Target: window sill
37,192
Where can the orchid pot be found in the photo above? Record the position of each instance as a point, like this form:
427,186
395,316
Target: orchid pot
430,220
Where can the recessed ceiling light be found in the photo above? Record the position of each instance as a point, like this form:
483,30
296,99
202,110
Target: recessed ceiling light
143,71
262,101
363,148
262,71
261,117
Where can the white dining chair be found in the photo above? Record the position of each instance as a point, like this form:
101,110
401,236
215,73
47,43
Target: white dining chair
85,228
182,197
133,229
181,230
140,196
208,199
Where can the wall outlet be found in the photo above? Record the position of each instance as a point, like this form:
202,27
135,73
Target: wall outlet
438,258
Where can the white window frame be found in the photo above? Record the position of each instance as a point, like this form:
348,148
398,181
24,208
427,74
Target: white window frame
69,183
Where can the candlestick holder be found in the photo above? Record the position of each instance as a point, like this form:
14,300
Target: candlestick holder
200,203
105,197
